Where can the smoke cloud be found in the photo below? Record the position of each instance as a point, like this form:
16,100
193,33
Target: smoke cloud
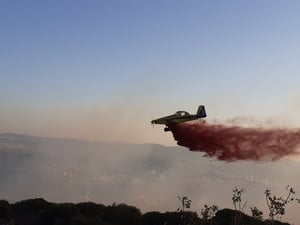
232,143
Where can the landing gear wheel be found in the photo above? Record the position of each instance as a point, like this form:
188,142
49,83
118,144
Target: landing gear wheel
167,129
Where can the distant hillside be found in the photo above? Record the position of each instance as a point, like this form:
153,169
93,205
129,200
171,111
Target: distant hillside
149,176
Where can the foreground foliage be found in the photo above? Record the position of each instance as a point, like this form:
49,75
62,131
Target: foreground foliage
38,211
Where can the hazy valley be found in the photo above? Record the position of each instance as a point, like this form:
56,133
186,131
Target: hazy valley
149,176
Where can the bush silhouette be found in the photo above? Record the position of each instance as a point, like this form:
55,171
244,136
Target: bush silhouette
41,212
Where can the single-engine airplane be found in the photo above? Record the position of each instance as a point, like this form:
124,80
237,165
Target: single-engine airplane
180,117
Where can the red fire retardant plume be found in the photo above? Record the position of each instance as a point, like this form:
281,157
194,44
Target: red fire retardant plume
231,143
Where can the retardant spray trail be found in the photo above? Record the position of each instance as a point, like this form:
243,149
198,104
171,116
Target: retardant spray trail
231,143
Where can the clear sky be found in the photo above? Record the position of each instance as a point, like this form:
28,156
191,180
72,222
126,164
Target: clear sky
102,69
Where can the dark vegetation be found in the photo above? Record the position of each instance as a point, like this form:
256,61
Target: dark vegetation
40,212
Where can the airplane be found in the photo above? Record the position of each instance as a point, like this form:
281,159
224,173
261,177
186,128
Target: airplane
180,117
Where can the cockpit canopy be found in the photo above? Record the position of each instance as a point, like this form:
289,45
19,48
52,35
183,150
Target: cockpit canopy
182,113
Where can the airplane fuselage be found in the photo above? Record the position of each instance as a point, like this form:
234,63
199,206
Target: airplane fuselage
180,117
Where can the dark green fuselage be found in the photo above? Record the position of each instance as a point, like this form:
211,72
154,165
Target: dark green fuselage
180,117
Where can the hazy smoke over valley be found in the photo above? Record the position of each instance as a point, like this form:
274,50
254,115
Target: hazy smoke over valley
149,176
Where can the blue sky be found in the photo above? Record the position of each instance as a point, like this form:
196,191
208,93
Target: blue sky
102,70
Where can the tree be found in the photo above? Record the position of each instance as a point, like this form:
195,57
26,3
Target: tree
277,205
256,213
237,199
122,214
185,203
208,212
237,203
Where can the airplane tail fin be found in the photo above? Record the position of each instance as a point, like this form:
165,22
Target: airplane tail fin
201,111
